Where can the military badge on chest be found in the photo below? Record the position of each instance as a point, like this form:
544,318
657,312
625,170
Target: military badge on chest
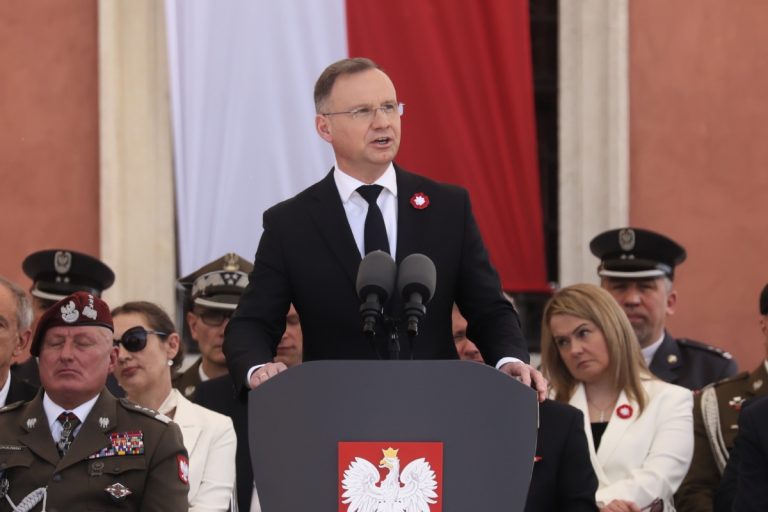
122,443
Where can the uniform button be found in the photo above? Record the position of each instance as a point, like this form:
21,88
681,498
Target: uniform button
3,465
57,477
117,469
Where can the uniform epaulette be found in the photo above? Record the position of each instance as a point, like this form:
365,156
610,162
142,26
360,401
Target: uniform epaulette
144,410
734,378
10,407
704,347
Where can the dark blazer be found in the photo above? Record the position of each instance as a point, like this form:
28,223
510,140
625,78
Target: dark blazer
94,463
219,395
307,255
19,391
743,486
563,478
691,364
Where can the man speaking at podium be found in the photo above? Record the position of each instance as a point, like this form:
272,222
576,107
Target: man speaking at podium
313,243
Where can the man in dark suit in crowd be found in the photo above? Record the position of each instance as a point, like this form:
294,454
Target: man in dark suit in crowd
563,479
312,245
56,273
213,292
715,425
76,446
637,267
220,395
15,319
743,487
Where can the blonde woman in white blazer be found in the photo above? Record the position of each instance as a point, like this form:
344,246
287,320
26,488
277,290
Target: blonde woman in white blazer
639,428
149,348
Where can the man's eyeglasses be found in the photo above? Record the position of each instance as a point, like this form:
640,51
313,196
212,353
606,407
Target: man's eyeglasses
135,338
367,113
214,317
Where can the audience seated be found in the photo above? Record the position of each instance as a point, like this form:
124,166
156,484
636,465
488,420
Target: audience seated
149,347
715,425
563,479
214,290
639,429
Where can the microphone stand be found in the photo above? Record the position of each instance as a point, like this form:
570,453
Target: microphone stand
394,339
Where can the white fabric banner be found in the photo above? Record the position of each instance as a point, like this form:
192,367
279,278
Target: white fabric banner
242,74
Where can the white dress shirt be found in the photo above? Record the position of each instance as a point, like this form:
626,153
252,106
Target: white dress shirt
650,350
53,410
5,390
356,207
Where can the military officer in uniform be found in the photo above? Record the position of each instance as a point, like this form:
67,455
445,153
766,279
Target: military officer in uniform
214,291
56,273
75,446
637,267
715,425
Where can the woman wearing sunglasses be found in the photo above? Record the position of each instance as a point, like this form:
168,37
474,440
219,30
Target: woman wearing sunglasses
639,428
150,349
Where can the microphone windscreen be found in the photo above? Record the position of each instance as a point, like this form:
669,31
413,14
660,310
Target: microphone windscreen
376,274
417,274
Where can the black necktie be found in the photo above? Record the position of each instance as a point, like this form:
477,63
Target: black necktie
69,422
375,232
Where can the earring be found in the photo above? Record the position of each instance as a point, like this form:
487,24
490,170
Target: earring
170,362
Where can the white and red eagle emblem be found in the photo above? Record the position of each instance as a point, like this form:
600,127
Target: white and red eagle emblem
411,490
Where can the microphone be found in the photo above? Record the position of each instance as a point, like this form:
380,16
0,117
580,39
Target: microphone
416,281
375,281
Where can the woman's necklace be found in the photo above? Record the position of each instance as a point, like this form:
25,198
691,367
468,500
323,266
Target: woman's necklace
601,411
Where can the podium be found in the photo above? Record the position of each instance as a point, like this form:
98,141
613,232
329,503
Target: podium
485,420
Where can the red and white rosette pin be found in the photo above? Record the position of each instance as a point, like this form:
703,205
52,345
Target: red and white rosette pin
624,411
419,200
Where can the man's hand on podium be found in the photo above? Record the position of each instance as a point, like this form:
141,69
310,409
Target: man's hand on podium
266,372
529,376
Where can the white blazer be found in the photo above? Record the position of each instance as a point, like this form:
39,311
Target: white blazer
643,456
210,440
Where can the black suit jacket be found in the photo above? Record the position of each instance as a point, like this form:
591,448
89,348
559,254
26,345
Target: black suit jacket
19,391
307,255
563,478
691,364
744,486
219,395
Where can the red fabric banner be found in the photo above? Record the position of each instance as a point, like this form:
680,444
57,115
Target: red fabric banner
463,69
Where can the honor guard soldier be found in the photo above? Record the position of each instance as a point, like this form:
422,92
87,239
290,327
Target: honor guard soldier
637,267
715,425
76,446
214,291
56,273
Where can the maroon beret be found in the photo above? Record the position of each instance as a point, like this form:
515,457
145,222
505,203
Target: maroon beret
76,310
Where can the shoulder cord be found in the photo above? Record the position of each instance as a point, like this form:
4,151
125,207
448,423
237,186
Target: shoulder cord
30,500
711,416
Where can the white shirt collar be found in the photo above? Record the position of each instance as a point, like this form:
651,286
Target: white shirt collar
346,184
53,410
650,350
170,402
203,376
4,391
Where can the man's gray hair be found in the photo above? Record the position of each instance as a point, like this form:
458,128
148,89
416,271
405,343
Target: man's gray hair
23,304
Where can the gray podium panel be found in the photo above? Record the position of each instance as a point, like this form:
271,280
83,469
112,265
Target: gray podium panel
486,421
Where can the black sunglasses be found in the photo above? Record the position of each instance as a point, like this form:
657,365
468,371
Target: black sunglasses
135,338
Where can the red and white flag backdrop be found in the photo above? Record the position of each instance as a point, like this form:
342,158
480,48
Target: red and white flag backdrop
242,74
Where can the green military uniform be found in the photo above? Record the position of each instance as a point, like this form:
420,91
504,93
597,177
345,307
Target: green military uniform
715,425
125,457
188,381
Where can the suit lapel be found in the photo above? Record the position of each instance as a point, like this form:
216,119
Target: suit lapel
92,436
617,427
329,216
189,430
579,401
410,225
38,435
